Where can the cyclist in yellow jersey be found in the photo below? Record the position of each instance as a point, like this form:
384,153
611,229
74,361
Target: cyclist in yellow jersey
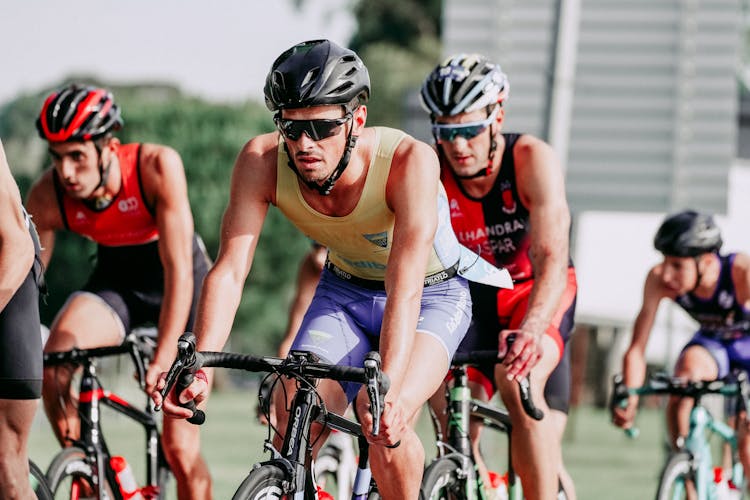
373,197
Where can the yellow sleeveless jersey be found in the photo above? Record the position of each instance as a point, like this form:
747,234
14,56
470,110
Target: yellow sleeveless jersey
359,243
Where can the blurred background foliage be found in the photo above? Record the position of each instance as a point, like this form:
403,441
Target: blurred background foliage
398,41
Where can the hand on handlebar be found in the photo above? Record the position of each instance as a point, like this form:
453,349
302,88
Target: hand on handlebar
189,391
521,355
623,407
392,426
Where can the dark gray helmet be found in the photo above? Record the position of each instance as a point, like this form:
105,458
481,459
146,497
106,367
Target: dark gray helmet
316,73
463,83
688,234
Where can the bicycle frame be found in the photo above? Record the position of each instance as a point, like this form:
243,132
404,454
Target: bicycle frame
461,408
702,425
295,453
92,396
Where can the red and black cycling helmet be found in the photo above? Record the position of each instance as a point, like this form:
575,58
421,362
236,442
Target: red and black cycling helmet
688,234
78,113
316,73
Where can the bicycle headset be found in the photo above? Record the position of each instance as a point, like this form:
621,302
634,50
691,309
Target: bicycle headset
318,73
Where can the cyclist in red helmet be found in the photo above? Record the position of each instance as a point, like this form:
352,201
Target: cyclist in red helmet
20,336
131,199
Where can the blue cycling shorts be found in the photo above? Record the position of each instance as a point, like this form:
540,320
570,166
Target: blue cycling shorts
343,321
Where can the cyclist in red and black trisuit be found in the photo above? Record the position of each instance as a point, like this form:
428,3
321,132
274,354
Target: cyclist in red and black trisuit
20,335
131,199
507,203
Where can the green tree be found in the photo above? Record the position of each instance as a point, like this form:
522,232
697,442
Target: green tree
208,136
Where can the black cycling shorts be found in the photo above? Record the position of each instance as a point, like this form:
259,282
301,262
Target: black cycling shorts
130,279
21,337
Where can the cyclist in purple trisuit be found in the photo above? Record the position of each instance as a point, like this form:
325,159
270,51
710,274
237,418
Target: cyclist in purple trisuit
131,199
507,199
20,335
714,289
372,196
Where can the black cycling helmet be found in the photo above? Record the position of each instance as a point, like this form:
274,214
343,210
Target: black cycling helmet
688,234
463,83
316,73
78,113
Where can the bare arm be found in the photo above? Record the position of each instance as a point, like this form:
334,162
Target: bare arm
741,278
634,361
252,190
165,184
542,190
41,203
415,169
16,247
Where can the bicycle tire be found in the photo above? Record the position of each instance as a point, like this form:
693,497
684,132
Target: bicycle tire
267,482
672,480
442,481
71,464
327,469
39,482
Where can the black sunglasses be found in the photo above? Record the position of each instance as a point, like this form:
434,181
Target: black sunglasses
316,130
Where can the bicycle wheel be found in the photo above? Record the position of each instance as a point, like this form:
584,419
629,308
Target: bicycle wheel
442,481
267,482
71,476
676,473
39,482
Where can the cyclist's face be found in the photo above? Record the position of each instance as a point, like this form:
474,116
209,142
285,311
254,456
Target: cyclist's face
465,154
77,165
679,274
316,159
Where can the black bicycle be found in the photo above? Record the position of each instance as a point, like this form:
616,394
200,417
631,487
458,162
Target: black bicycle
86,468
288,473
454,473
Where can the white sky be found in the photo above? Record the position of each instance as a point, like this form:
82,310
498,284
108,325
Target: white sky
219,50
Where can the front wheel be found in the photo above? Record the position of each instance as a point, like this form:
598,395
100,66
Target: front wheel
71,476
442,481
267,482
39,482
676,477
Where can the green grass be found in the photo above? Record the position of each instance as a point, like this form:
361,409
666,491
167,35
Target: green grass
604,463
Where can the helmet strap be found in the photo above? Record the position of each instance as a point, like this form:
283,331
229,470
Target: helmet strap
102,202
326,186
698,272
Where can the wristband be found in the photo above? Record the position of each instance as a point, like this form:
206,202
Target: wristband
200,374
395,445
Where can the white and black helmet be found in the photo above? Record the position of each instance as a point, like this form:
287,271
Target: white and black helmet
463,83
688,234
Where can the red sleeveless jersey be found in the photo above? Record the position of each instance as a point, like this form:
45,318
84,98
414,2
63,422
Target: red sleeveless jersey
497,226
126,221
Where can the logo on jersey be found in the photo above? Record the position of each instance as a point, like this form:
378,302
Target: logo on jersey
80,216
509,203
379,239
725,299
455,209
129,204
319,337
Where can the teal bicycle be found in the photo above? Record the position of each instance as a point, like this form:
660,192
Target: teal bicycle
691,471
